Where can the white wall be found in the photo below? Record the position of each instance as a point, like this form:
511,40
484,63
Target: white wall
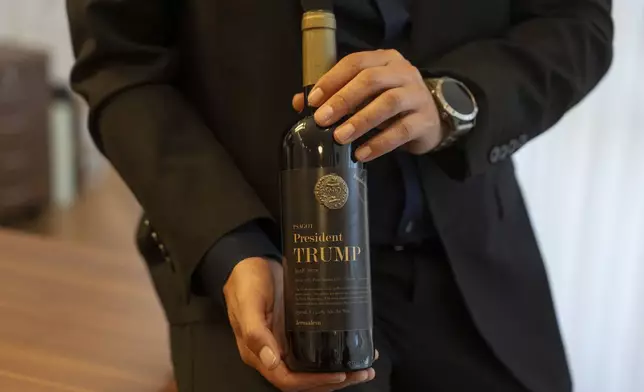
584,181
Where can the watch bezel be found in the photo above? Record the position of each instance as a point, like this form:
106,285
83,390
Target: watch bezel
466,117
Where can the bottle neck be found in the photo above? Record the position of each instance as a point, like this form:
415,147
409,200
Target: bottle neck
319,53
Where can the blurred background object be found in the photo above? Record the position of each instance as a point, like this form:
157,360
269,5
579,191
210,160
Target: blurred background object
584,184
24,137
65,189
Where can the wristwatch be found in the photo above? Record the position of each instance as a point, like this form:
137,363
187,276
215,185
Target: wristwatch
456,106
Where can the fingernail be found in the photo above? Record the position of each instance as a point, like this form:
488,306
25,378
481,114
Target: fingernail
315,96
376,356
342,377
372,374
343,134
267,357
323,114
363,153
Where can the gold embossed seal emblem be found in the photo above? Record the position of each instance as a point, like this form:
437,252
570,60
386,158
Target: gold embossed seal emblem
332,191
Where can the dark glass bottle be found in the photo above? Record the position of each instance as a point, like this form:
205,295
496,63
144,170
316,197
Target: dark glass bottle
327,285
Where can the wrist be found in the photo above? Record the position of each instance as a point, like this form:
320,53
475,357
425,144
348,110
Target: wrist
456,106
253,263
252,271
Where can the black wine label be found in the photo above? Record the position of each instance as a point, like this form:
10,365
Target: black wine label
326,246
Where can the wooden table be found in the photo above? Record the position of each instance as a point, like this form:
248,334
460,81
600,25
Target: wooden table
75,319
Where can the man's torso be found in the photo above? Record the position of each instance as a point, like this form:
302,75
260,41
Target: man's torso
240,64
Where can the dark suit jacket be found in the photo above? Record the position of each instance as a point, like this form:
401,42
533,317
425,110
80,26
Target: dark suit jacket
189,100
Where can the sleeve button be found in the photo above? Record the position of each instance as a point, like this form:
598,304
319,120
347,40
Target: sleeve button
495,155
505,152
514,145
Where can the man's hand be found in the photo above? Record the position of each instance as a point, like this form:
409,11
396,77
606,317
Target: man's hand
254,300
401,104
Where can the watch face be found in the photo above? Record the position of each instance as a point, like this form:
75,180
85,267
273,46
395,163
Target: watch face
458,98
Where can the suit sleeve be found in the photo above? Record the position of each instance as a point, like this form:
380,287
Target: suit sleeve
527,78
184,179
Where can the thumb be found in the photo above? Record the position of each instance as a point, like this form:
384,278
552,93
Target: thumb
257,335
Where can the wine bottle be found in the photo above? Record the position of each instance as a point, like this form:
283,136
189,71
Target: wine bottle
327,285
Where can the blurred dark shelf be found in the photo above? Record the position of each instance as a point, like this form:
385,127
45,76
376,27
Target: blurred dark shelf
25,97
